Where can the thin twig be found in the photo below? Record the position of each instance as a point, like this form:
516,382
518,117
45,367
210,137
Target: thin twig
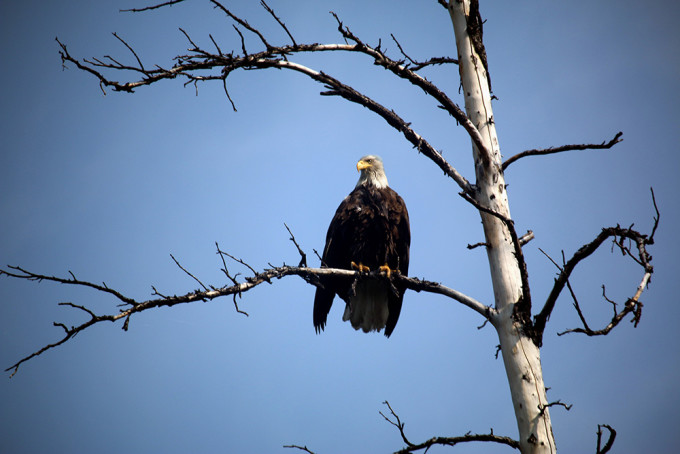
141,66
243,23
160,5
301,448
271,11
21,273
187,272
417,65
303,256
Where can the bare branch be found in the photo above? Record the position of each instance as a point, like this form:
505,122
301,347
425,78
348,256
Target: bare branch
303,256
524,239
199,60
650,240
396,423
559,403
237,260
444,441
301,448
271,11
610,441
551,150
337,88
476,245
419,285
398,69
243,41
417,65
135,10
68,334
310,275
191,275
78,306
631,306
141,66
401,49
242,23
20,273
225,270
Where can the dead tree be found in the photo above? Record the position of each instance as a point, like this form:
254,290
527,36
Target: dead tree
520,329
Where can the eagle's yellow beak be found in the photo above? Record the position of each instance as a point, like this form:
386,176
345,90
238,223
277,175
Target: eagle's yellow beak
361,165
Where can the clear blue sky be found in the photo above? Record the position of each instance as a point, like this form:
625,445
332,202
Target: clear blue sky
109,186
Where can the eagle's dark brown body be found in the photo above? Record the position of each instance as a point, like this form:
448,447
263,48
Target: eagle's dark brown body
370,228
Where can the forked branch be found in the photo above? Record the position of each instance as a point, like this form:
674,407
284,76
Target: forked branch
394,419
610,440
632,244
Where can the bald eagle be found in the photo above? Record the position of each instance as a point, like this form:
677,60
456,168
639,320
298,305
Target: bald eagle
370,231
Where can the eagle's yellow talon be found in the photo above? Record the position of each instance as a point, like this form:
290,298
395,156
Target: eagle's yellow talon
386,269
361,267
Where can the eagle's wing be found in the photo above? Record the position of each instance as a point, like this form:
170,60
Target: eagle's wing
401,235
335,255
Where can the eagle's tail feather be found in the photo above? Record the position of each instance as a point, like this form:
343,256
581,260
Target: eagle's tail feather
367,309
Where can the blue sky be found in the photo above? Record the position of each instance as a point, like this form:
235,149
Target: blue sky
109,186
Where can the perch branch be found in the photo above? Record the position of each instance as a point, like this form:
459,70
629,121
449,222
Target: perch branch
236,288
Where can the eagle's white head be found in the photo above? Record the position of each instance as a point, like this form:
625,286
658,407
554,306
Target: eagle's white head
372,172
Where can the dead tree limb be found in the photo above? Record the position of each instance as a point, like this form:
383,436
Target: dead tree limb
148,8
301,448
551,150
193,65
130,306
610,440
443,441
623,239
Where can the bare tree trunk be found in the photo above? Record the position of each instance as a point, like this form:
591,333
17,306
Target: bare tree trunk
521,355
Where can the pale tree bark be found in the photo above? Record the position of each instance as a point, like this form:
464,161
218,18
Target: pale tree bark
521,355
